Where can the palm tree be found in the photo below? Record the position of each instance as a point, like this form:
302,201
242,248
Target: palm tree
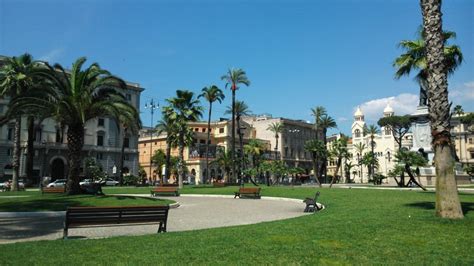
129,122
17,79
317,150
414,58
318,112
169,127
234,77
325,123
240,109
78,96
183,109
371,130
360,147
224,161
338,151
276,128
438,67
211,94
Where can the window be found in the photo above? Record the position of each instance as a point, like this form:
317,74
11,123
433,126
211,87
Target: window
100,139
126,157
357,133
210,130
10,133
470,140
37,135
58,135
126,142
100,156
100,123
128,97
9,152
388,131
472,154
144,144
203,129
196,129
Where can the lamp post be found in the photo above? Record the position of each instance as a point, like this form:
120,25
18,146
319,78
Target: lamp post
152,106
388,157
360,167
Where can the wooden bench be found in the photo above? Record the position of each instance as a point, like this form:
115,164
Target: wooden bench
53,190
164,191
251,191
218,184
311,204
101,216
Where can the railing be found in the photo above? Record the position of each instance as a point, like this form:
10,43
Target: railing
199,151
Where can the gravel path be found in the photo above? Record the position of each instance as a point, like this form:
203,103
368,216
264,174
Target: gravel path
195,212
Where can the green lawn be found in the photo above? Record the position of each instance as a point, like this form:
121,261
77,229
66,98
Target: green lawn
359,226
35,201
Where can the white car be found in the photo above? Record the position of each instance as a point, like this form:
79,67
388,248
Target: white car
85,182
109,182
58,183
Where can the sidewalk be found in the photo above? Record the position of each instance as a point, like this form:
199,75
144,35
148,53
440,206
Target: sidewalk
194,212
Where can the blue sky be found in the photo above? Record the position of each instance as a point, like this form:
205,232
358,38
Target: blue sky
297,54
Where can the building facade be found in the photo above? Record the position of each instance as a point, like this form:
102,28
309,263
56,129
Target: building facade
103,141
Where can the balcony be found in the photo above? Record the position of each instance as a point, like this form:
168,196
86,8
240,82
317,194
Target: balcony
198,151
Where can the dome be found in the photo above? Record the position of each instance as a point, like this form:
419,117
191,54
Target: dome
358,112
388,109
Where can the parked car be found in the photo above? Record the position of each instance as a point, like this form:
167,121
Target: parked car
85,182
5,186
57,183
109,182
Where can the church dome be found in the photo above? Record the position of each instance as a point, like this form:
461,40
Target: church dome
358,113
388,110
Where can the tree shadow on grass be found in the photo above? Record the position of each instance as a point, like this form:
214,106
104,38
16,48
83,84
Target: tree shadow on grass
428,205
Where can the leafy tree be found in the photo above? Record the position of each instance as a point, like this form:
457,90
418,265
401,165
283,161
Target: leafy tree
18,79
371,130
438,65
183,109
398,126
276,128
158,160
317,150
338,151
240,109
371,161
211,94
410,159
458,110
360,147
75,97
94,169
169,127
233,78
129,122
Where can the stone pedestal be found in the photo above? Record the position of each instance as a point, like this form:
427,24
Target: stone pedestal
421,131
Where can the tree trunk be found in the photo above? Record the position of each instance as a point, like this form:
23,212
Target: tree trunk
241,154
208,143
276,146
122,157
232,151
181,161
168,161
16,154
447,199
75,143
30,153
338,165
412,177
315,170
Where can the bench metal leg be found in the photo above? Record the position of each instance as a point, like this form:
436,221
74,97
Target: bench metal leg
162,227
65,233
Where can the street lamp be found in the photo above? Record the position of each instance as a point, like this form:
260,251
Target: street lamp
152,106
388,157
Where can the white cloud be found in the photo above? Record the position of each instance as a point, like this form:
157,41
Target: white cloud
463,94
53,55
342,119
402,104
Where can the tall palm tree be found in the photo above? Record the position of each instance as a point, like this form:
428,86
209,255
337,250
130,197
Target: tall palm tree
317,149
78,96
211,94
318,112
360,147
338,151
126,122
182,109
240,109
414,58
17,79
371,130
233,78
276,128
325,123
438,67
224,161
169,127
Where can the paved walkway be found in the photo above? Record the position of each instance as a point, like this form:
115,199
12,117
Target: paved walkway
194,212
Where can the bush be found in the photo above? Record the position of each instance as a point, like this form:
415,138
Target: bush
377,178
131,180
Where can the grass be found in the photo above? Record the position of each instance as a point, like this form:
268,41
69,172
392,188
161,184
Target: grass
359,226
35,201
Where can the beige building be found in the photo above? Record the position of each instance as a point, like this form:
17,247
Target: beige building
194,156
463,138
